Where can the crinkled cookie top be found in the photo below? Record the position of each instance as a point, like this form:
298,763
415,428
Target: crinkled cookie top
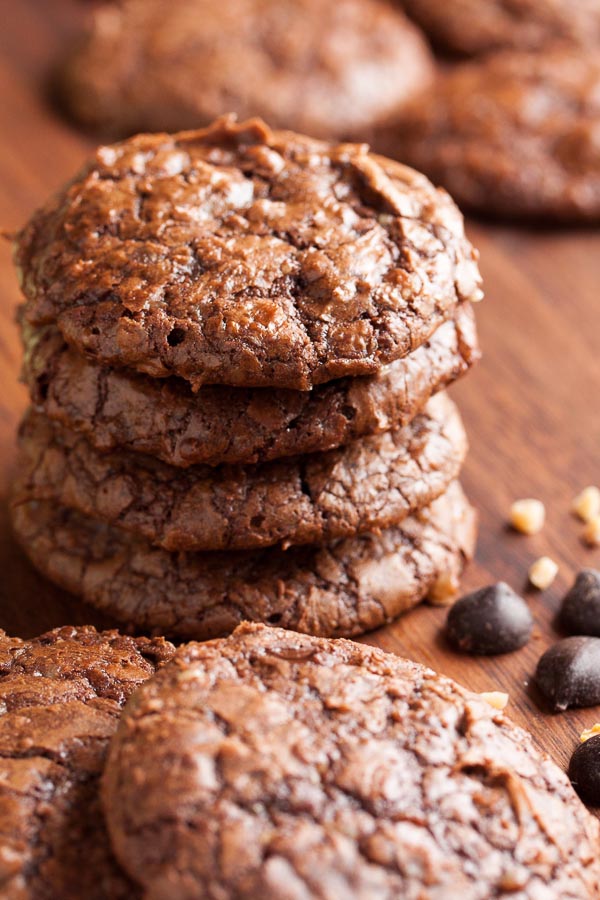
60,699
273,764
242,256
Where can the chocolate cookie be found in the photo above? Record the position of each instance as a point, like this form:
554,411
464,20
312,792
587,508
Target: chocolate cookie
348,588
370,484
477,26
332,70
117,409
61,697
237,255
515,135
272,764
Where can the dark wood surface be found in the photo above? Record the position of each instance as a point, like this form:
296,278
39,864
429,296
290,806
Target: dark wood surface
532,407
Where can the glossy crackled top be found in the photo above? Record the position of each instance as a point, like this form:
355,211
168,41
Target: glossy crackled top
275,765
243,256
60,699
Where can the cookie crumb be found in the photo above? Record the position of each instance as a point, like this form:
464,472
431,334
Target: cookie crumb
528,515
586,504
542,572
497,699
591,532
444,590
587,733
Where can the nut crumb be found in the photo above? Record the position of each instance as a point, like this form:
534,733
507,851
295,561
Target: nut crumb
542,572
589,732
497,699
586,504
444,590
591,532
528,515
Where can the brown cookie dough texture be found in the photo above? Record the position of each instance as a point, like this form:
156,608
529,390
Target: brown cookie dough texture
368,485
61,696
327,69
237,255
514,135
117,409
346,588
272,764
477,26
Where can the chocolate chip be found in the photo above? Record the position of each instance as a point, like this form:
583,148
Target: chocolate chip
568,674
491,620
580,611
584,771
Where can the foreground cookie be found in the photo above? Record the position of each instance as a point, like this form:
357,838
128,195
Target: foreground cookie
368,485
276,765
331,70
348,588
61,696
117,409
476,26
515,135
237,255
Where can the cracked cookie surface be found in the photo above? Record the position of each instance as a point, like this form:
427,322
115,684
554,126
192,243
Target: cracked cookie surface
331,70
370,484
347,588
116,409
273,765
514,135
237,255
61,697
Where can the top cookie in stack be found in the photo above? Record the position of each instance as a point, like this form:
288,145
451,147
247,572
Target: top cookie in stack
233,341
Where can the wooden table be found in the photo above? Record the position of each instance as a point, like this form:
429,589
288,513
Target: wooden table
532,407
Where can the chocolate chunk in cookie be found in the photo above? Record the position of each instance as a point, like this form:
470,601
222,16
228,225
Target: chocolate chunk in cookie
61,697
272,764
347,588
237,255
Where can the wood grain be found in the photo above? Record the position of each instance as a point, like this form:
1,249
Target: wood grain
532,407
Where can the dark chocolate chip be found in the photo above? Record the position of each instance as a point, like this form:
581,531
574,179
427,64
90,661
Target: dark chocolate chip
584,771
568,674
491,620
580,611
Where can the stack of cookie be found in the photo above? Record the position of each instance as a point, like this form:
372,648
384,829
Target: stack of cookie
237,342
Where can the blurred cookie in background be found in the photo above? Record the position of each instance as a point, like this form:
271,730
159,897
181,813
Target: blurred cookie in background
328,69
478,26
515,135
